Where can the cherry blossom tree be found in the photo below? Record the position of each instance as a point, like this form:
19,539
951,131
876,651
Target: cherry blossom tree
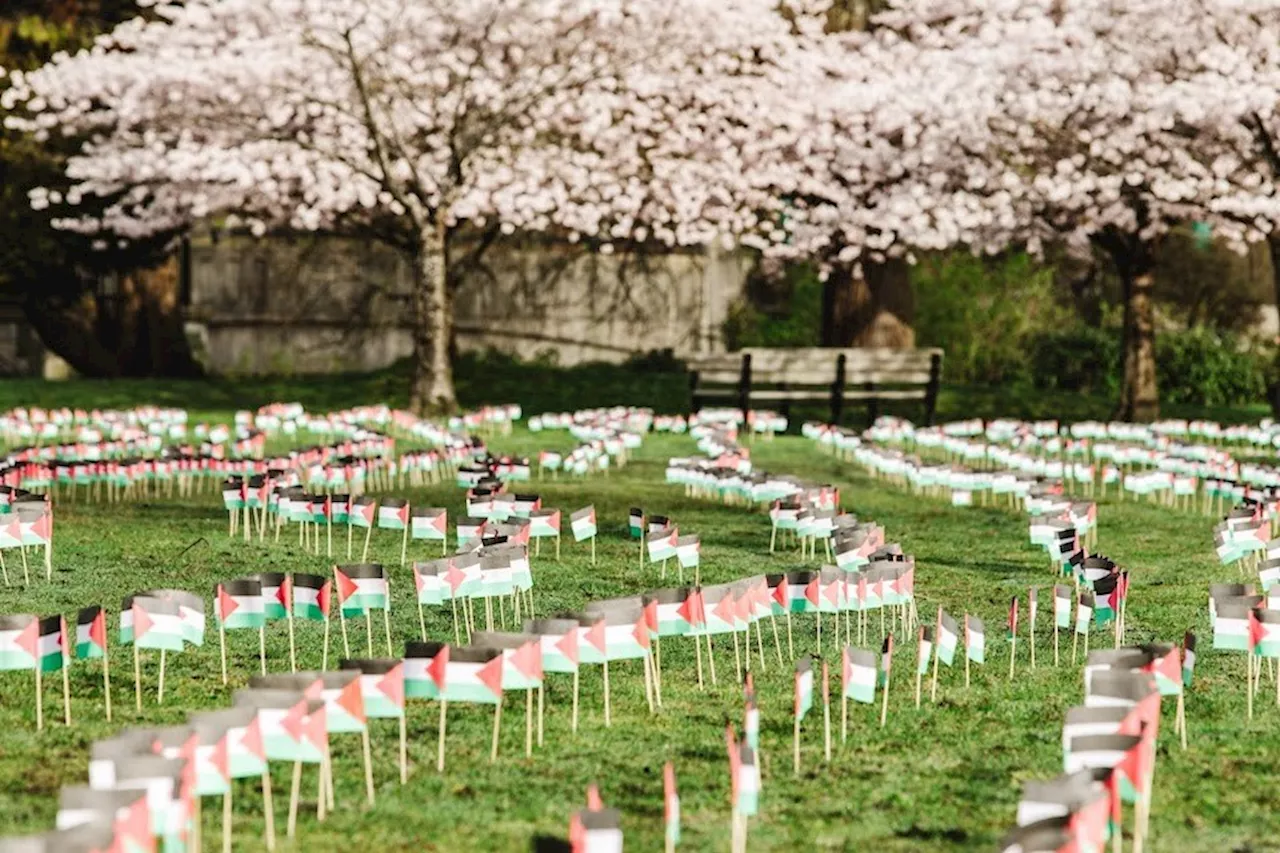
409,119
1099,135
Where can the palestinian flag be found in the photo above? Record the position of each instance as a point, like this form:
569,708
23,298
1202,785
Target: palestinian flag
635,522
1062,596
1084,612
277,595
626,632
307,726
470,528
190,612
464,577
924,651
804,685
163,779
975,639
718,609
670,805
233,494
91,633
677,611
1013,618
523,506
746,787
948,638
393,514
583,524
240,604
1166,666
156,624
1188,658
361,587
779,594
688,551
596,831
558,640
429,581
424,669
429,522
311,594
382,686
858,680
362,511
340,509
662,544
321,508
474,674
36,523
543,523
246,754
271,708
53,651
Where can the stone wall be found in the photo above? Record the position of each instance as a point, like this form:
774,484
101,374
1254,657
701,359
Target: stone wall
317,304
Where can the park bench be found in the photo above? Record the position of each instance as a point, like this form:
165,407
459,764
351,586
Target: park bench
756,376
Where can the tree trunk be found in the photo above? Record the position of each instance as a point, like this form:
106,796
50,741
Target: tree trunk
1273,245
431,390
1139,396
876,310
135,331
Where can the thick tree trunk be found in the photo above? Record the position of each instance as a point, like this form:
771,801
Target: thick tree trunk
431,390
1139,396
1273,244
135,331
876,310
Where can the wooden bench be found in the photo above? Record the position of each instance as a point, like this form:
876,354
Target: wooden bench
757,376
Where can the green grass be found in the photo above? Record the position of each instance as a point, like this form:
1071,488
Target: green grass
946,777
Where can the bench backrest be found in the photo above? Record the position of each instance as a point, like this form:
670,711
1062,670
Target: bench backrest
819,366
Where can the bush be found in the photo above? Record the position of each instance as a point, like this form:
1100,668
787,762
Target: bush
777,310
1202,367
1076,358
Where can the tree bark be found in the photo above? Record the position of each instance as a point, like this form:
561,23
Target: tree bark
1273,246
431,388
876,310
137,331
1139,395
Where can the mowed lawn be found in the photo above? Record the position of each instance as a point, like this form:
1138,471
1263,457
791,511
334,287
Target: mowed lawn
945,777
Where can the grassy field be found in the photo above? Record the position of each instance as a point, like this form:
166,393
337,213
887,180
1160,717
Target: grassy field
945,777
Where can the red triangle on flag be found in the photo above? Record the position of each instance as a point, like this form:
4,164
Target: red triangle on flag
780,593
651,616
490,676
568,646
403,513
326,594
292,723
811,592
1256,632
641,632
725,608
29,639
252,740
351,700
226,604
595,635
142,623
417,580
317,730
284,592
528,660
43,527
438,667
98,630
455,577
392,685
346,586
220,759
831,592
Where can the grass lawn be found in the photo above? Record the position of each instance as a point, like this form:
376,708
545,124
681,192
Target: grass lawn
942,778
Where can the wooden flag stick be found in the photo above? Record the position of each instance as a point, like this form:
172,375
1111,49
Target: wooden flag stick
39,697
528,723
262,648
368,763
226,820
884,704
404,749
919,680
222,648
791,649
648,680
541,709
386,621
444,710
608,719
67,690
826,725
348,538
1032,646
368,632
1055,641
697,646
268,810
364,553
404,546
737,655
1248,662
3,570
324,661
137,676
346,647
497,727
593,551
26,575
1182,716
776,644
933,689
293,650
160,686
292,826
1013,648
711,661
844,716
966,665
321,798
106,681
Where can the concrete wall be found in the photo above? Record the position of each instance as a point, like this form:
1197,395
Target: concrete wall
307,305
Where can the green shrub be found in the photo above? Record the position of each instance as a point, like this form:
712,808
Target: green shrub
1206,368
1076,358
781,311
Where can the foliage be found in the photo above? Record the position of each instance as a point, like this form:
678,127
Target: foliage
783,310
1202,367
